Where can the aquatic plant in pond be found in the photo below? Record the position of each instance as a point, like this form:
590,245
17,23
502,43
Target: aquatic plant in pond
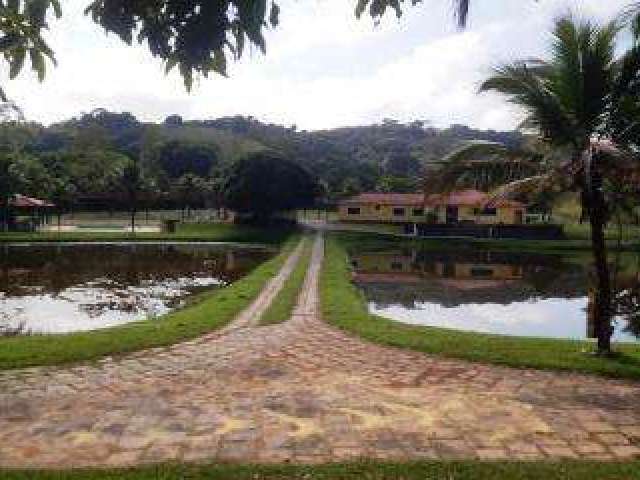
60,288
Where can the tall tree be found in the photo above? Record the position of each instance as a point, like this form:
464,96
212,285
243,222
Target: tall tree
264,183
13,138
577,101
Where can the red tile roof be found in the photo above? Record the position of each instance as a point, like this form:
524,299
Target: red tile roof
413,199
410,278
22,201
504,203
470,198
462,198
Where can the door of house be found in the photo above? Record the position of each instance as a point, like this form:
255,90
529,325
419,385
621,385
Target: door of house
519,217
452,214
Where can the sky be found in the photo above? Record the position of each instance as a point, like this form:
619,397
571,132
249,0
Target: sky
323,67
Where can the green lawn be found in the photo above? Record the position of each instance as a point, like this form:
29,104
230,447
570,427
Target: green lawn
282,306
213,311
211,232
577,238
433,470
344,306
582,231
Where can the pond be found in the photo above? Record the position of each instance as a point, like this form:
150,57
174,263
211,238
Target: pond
506,293
69,287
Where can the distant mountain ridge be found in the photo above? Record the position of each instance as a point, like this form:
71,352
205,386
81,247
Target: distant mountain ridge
188,160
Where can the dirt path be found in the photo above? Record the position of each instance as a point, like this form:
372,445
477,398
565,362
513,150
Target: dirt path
303,391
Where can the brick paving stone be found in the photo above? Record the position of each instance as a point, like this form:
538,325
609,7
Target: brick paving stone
625,452
590,448
599,427
492,453
559,452
303,391
612,439
631,432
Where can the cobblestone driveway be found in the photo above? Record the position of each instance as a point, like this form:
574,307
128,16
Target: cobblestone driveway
305,392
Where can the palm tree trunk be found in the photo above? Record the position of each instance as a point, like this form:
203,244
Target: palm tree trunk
5,213
134,210
602,306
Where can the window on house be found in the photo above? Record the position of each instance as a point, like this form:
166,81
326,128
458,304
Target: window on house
396,266
378,207
398,212
481,272
418,212
484,211
353,211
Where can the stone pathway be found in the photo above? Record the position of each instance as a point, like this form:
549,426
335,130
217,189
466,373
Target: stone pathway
303,391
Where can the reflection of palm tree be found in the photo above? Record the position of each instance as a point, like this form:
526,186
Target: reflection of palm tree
583,92
627,305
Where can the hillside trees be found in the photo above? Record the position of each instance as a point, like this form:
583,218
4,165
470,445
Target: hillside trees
89,154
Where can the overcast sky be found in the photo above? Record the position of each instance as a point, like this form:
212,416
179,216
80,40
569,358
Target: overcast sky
323,67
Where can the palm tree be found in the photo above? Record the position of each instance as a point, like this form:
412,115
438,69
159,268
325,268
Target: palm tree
581,104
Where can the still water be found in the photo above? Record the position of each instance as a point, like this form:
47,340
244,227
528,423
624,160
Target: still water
61,288
494,292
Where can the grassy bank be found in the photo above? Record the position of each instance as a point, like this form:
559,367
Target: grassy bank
578,239
214,311
210,232
469,470
282,306
344,306
380,239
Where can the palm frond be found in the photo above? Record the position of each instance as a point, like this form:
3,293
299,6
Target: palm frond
631,17
581,76
623,115
525,87
528,186
482,165
473,150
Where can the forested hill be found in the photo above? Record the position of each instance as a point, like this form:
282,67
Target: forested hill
384,157
87,157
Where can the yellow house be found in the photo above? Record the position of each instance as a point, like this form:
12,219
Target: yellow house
462,207
408,264
474,207
383,208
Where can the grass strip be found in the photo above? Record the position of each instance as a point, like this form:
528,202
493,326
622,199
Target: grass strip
213,312
282,306
424,470
576,244
209,232
344,306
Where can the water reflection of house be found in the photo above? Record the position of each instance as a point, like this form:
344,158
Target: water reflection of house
454,278
395,267
411,266
480,271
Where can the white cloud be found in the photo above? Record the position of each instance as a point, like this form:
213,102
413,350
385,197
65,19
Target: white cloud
324,68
